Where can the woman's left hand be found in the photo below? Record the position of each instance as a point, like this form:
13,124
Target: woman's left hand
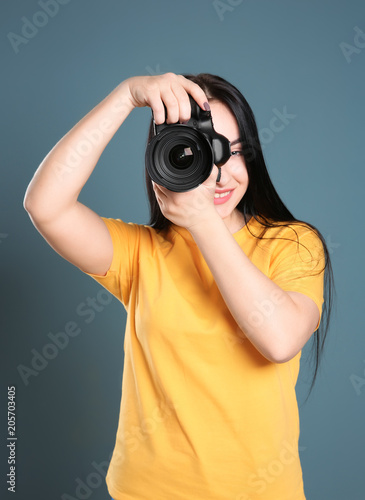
189,208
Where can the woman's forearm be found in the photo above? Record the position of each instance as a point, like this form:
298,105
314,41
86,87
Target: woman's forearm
63,173
268,315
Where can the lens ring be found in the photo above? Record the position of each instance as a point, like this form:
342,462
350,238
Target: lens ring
187,170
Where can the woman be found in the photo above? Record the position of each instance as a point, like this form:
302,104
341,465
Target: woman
223,289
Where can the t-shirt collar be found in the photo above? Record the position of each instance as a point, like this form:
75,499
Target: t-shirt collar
184,233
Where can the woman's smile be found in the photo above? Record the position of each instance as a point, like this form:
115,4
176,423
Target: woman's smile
222,196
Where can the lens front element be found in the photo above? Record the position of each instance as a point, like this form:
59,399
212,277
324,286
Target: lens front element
179,158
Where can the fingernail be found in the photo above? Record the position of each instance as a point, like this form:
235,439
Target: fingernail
206,106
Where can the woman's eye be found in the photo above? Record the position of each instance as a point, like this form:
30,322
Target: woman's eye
237,153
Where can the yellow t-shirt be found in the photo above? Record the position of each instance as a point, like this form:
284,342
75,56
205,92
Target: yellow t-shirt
204,415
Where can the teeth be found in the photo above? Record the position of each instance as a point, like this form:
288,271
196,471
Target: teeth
221,195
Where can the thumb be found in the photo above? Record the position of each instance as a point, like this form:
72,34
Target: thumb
211,181
215,175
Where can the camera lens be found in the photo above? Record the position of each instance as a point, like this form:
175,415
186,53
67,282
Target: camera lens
181,156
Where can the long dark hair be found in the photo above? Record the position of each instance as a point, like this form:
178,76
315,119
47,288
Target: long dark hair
261,200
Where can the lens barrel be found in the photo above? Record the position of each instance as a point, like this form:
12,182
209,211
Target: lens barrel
179,158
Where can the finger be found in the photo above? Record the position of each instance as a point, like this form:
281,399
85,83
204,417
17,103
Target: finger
214,175
172,105
195,91
164,193
157,107
184,102
159,190
157,195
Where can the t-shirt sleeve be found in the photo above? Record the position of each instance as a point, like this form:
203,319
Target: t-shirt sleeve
298,262
119,277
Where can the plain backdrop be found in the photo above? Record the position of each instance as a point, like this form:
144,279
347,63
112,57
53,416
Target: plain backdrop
305,57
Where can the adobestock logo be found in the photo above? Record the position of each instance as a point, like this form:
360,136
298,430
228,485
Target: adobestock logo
269,472
222,7
276,125
85,488
265,308
85,146
358,45
59,341
358,382
30,27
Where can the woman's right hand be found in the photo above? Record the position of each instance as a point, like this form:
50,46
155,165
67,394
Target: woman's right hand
168,89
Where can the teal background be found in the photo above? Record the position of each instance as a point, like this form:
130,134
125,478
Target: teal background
278,53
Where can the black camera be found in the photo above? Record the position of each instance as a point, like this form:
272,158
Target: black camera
181,156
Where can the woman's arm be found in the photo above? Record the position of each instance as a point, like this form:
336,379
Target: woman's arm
72,229
63,173
75,231
246,289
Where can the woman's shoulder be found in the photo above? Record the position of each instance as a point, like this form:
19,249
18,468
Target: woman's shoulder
132,232
280,234
137,235
271,228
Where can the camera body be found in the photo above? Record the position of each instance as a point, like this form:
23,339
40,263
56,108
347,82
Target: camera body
181,156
